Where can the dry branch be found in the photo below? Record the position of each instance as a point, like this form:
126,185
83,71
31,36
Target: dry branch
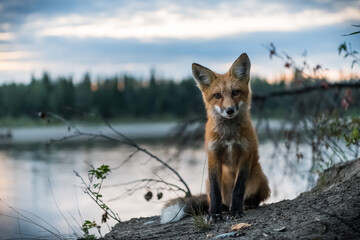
120,138
307,89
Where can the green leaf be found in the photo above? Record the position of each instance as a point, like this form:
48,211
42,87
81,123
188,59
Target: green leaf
87,222
354,134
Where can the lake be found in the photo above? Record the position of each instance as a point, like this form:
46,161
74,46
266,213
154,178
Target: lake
38,183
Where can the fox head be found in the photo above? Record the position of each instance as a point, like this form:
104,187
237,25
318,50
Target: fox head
225,95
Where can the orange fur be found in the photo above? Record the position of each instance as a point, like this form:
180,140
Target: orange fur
235,174
230,141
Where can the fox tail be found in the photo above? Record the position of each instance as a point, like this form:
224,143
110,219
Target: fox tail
177,209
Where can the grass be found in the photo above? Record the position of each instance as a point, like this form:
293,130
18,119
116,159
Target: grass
200,222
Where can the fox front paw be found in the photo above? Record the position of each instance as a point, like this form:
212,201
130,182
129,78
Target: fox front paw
215,217
236,213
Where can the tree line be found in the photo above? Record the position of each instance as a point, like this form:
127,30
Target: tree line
116,97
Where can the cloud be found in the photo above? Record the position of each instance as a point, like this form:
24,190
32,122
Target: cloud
6,36
107,37
17,55
174,23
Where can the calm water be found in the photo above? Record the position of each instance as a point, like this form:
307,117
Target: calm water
37,177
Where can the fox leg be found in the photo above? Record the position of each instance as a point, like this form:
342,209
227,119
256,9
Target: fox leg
237,203
215,209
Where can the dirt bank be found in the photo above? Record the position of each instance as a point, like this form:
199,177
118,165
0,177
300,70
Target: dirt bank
330,211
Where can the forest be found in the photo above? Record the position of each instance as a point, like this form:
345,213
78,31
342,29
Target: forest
113,97
126,97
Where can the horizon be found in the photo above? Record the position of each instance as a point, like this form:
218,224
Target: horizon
99,79
71,38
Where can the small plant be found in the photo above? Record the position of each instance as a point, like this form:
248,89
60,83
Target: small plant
304,73
328,129
201,223
348,51
331,137
100,174
87,225
93,190
342,128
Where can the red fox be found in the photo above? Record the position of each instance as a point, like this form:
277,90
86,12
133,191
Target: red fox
235,176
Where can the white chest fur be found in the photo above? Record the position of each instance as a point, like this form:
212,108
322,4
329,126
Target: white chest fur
229,145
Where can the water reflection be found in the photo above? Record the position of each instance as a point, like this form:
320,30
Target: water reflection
38,178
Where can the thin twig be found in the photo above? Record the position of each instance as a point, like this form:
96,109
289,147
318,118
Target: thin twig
176,194
98,201
18,222
126,160
147,180
303,90
77,205
57,206
56,234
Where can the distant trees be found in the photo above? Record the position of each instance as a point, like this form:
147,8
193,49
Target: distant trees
119,97
13,99
111,97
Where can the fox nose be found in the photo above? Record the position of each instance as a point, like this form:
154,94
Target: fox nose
229,111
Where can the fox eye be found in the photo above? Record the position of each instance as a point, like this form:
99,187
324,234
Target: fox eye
235,92
217,95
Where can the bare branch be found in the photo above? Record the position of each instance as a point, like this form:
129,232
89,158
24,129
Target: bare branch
147,180
124,140
126,160
299,91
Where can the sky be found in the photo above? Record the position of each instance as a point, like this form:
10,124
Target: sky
104,38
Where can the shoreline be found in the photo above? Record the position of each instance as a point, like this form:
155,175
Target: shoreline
328,211
26,135
135,130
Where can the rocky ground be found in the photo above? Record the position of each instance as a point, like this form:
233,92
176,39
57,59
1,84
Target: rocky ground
330,211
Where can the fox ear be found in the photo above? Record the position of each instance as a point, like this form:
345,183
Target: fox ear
241,68
203,76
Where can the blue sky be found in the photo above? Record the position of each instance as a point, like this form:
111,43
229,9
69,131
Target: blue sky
104,38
